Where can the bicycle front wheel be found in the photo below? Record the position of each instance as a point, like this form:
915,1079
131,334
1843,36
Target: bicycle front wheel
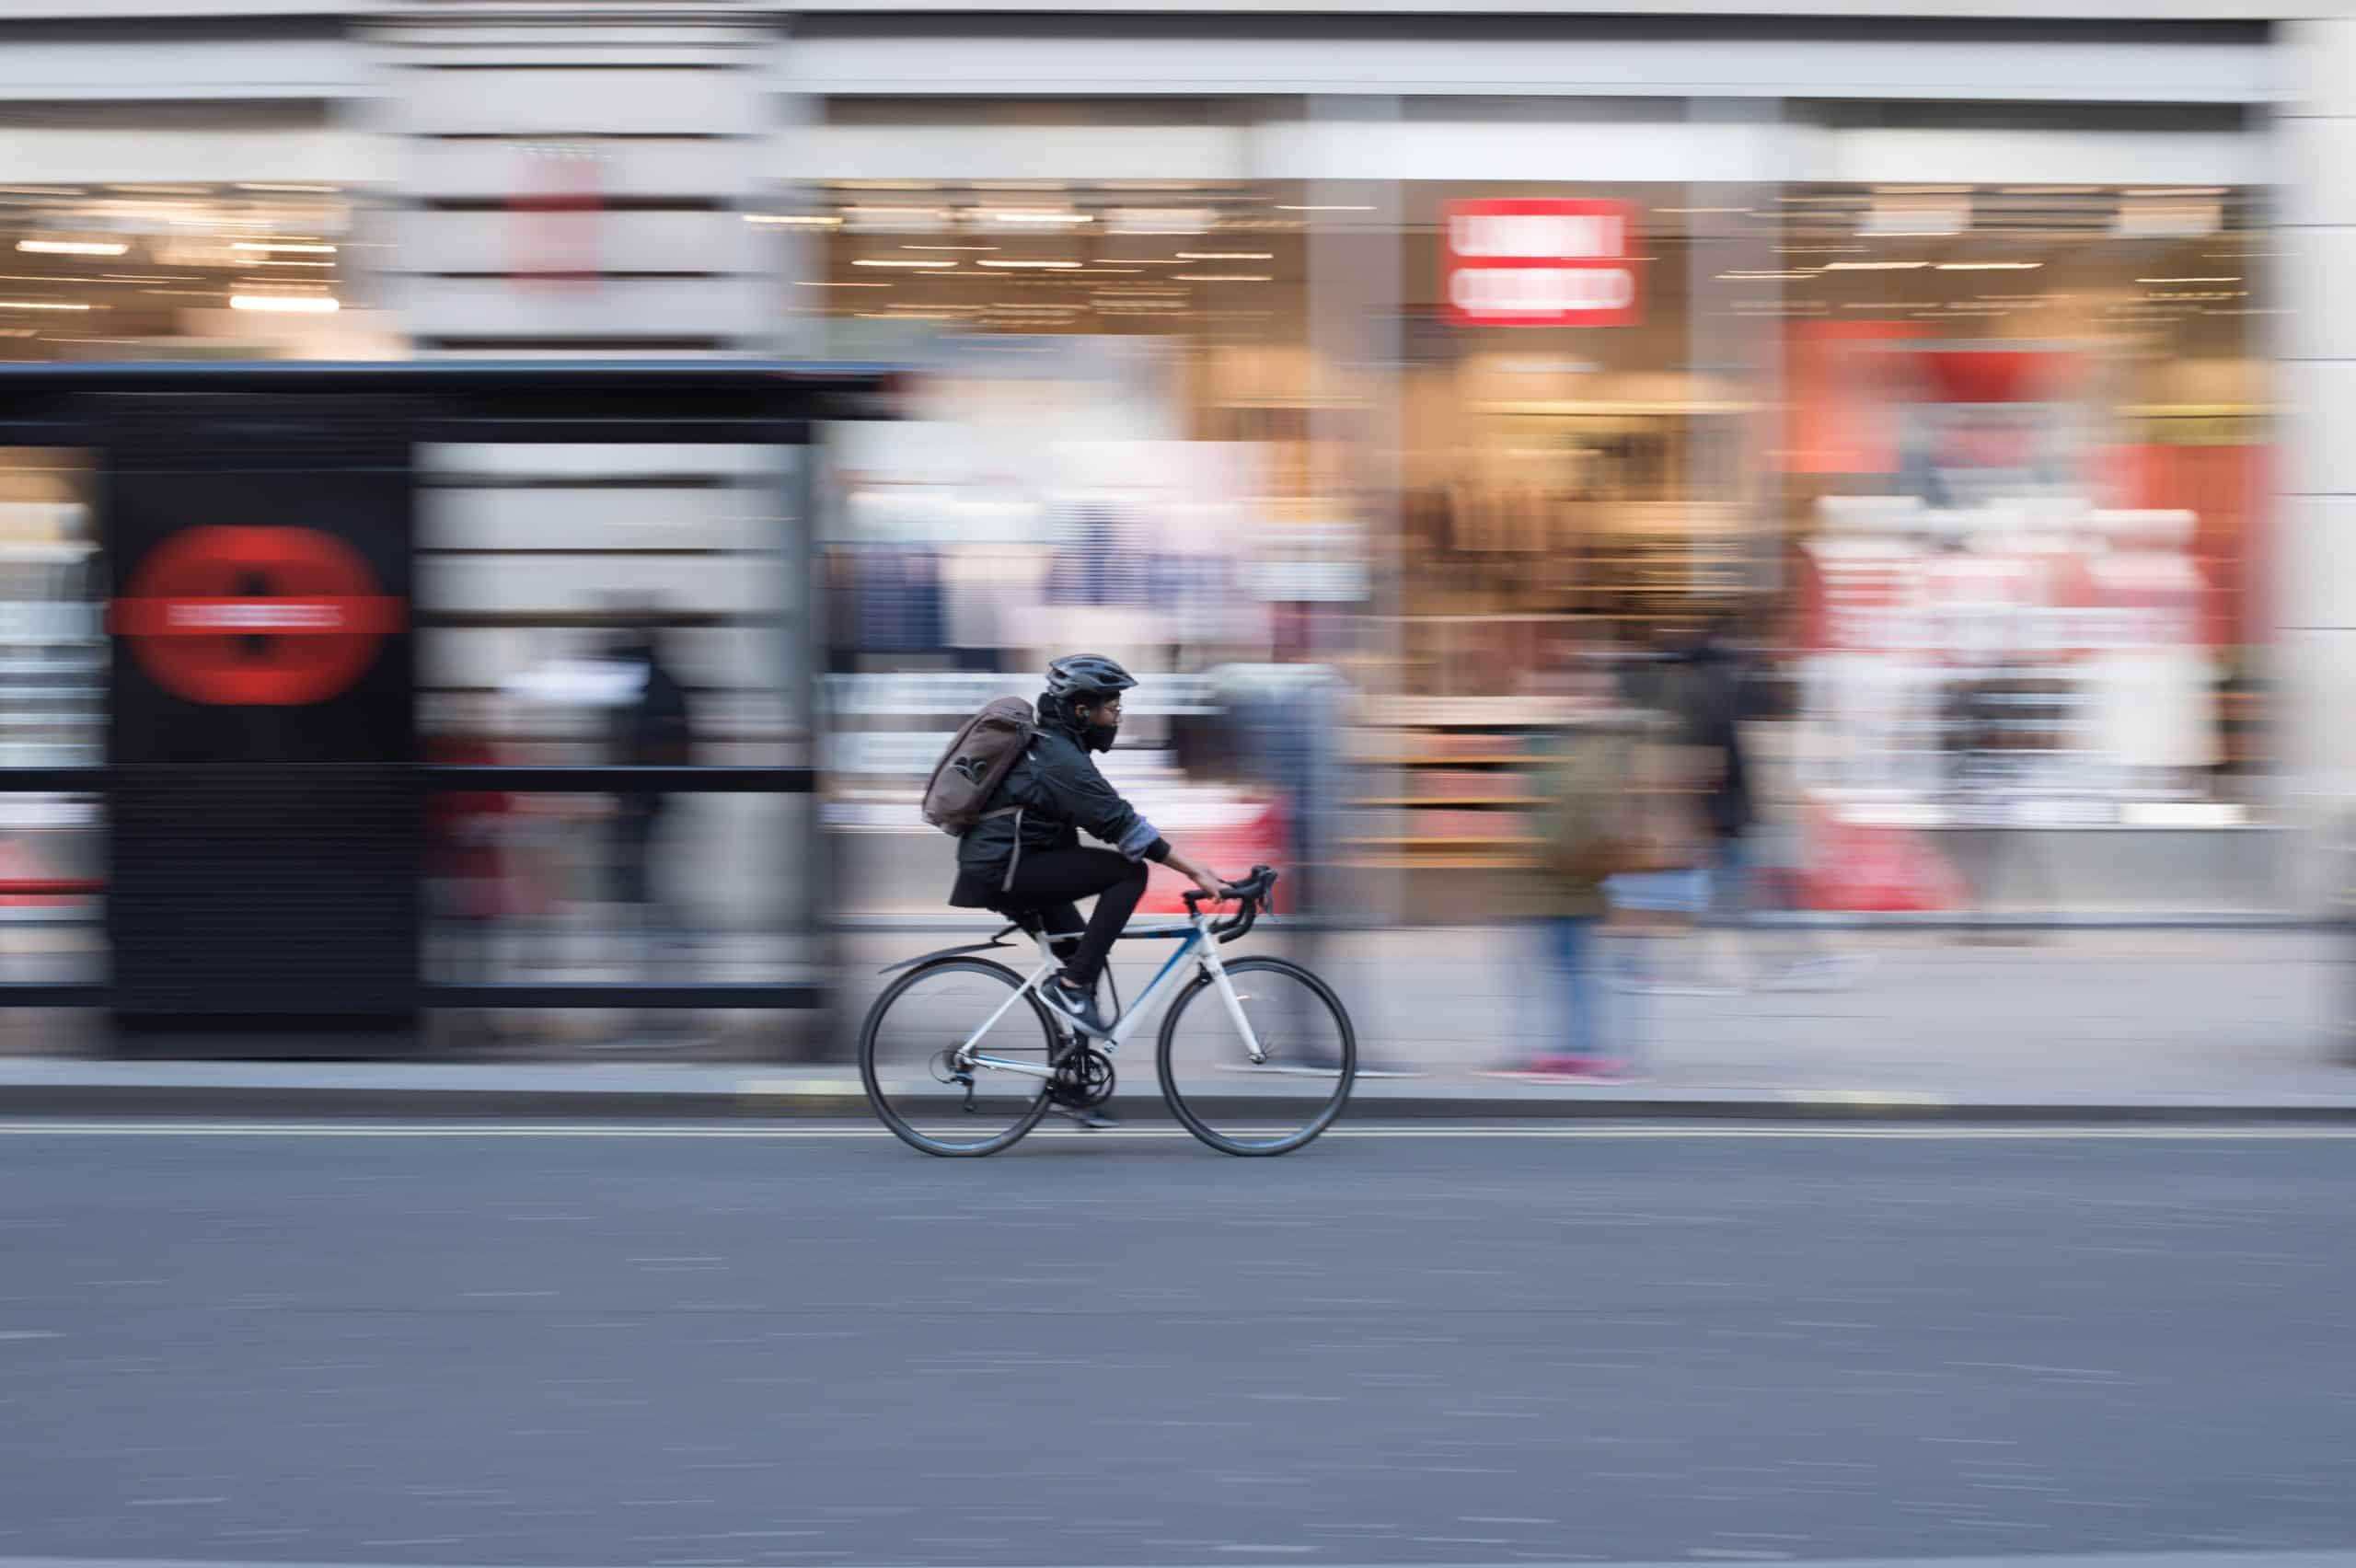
1272,1106
909,1058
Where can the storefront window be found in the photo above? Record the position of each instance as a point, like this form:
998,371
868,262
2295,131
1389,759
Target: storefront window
1566,460
1108,448
52,714
252,271
2024,463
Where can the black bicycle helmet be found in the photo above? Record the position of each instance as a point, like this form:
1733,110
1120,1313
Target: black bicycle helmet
1089,677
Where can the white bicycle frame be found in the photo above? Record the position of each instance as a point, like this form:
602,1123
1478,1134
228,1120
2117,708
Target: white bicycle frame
1195,938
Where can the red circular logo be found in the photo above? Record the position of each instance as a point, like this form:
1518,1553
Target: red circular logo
248,616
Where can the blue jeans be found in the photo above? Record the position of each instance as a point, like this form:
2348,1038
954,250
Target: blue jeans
1572,949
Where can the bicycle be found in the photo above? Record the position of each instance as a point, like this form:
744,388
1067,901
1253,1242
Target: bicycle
948,1087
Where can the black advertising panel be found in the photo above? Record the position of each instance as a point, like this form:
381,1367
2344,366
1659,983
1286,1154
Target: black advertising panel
265,825
260,616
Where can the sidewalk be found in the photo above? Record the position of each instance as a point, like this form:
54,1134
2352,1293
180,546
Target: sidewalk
2132,1024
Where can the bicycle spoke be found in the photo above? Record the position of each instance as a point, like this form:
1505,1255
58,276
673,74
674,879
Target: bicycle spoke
1308,1059
941,1079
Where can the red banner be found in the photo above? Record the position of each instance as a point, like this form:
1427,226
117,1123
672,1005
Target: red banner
1539,261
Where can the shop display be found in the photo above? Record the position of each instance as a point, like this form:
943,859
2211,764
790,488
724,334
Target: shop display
2070,647
1988,495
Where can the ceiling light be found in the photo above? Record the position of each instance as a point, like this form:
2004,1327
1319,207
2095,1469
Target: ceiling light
922,266
1161,220
40,304
1763,277
2187,279
1873,266
948,248
1029,215
1049,265
282,245
795,220
1222,277
276,185
1989,265
73,247
291,305
896,220
1224,255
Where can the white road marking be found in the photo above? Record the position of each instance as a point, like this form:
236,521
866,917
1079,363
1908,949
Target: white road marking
2159,1132
2224,1558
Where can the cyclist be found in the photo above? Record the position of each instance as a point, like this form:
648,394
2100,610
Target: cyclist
1025,856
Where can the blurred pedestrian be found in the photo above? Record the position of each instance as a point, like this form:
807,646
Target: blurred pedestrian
653,729
1589,826
1289,716
1709,690
469,872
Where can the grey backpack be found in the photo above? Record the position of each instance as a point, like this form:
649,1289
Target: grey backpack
976,763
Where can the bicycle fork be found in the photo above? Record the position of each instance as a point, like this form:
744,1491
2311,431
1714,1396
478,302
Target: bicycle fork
1234,1005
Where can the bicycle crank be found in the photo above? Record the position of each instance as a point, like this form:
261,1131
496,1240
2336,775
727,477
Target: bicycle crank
1084,1079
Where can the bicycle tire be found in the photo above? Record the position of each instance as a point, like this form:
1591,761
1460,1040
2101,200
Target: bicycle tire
1343,1040
891,1117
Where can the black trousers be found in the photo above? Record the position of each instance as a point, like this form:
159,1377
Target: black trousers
1049,881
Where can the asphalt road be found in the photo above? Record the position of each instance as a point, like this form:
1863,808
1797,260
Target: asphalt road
1569,1345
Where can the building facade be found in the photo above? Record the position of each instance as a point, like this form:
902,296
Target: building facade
1994,338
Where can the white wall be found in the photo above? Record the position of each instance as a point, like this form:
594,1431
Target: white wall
937,58
2315,520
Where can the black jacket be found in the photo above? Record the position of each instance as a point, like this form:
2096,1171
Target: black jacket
1059,791
1707,689
655,729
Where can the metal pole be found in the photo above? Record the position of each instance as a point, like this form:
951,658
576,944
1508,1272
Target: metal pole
824,1036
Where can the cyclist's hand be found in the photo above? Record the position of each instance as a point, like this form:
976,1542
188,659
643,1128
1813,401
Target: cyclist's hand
1213,889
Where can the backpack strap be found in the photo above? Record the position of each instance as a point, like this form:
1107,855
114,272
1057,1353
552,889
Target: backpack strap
1006,882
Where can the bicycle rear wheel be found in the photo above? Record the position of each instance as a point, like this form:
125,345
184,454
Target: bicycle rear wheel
908,1045
1271,1107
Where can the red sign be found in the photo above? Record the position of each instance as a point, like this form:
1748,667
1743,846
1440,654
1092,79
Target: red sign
557,204
1537,262
248,616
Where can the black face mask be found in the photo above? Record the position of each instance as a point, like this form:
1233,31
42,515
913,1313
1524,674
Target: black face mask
1099,737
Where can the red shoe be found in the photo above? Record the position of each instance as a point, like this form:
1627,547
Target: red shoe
1579,1069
